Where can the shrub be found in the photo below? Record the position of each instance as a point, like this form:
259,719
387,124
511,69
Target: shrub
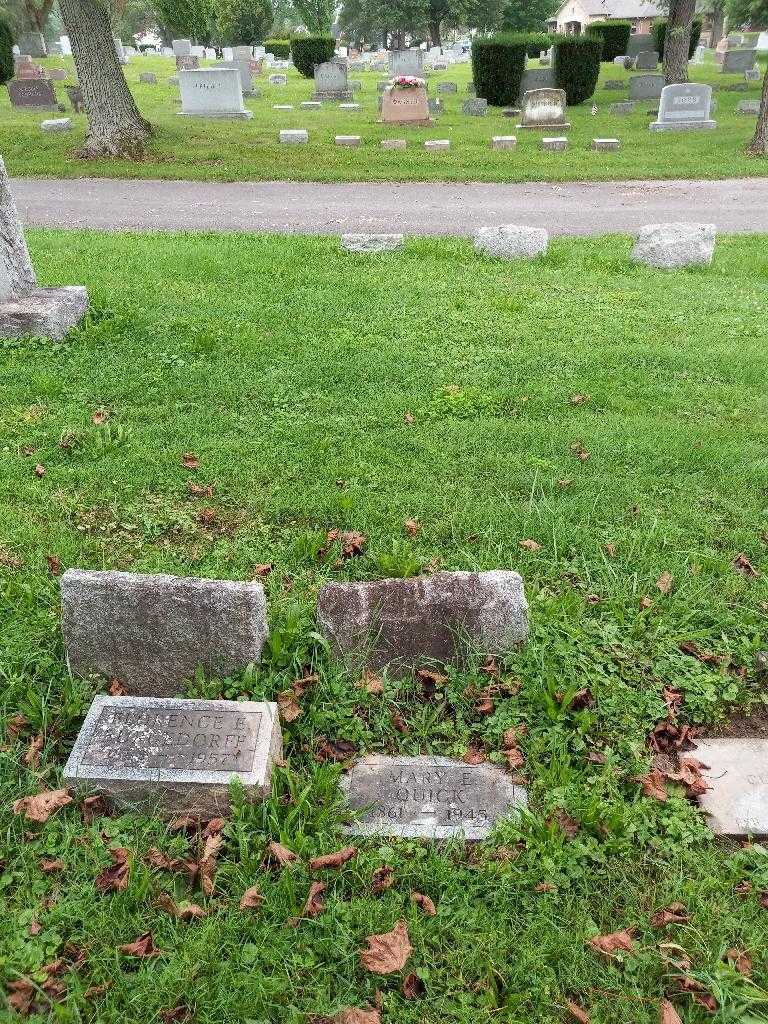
659,31
310,50
577,66
279,48
498,63
536,42
615,36
6,53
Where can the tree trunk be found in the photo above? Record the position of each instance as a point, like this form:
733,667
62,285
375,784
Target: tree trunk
115,126
759,144
718,22
434,34
677,40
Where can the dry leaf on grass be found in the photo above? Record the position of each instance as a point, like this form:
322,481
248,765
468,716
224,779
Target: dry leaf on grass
664,583
411,527
383,878
251,898
184,911
333,860
576,1012
32,756
54,564
355,1016
49,866
281,854
675,913
413,986
289,707
424,902
372,683
654,785
668,1014
141,947
115,877
743,565
213,844
39,808
315,903
615,942
740,960
387,952
190,460
530,545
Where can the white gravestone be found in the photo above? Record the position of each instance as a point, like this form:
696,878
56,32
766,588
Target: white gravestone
406,62
212,92
544,108
684,107
243,68
182,47
737,773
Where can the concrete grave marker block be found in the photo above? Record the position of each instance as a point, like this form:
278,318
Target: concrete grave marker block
212,93
647,60
447,87
394,143
512,242
400,624
32,93
148,78
174,756
347,140
503,142
331,81
153,632
428,797
438,145
751,107
57,124
646,87
25,309
311,105
605,145
406,63
670,246
554,145
405,106
735,61
737,772
544,108
362,243
625,107
294,136
475,107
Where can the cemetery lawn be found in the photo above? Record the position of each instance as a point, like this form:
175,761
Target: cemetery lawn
448,408
204,150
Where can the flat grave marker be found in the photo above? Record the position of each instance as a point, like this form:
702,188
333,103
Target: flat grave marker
737,772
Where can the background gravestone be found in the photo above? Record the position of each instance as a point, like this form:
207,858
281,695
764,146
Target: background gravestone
736,61
536,78
639,42
32,93
174,756
544,108
647,60
187,62
331,83
152,633
428,797
406,62
645,87
737,774
685,107
25,309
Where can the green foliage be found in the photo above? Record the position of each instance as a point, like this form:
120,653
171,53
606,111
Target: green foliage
243,22
315,15
537,42
659,31
615,36
6,52
526,15
577,66
747,12
307,51
498,63
187,19
279,48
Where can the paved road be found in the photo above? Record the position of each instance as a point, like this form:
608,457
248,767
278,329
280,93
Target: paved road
418,208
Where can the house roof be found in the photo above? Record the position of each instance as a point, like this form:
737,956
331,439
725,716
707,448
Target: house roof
618,8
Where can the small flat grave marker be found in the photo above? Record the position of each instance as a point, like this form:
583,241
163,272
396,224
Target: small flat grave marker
645,87
737,772
174,756
428,797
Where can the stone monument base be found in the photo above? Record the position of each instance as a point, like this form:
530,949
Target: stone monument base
682,126
45,313
546,127
423,123
337,96
219,115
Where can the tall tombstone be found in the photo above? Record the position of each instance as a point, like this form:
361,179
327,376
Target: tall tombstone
120,50
406,62
33,43
639,42
685,107
242,52
536,78
243,68
213,93
25,309
647,60
181,47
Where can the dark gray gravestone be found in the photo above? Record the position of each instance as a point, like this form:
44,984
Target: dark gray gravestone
32,93
536,78
174,756
736,61
646,87
638,43
428,797
647,60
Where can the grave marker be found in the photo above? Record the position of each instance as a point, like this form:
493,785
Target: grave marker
684,107
428,797
187,62
331,81
645,87
737,773
32,94
544,108
536,78
405,106
406,62
736,61
175,757
647,60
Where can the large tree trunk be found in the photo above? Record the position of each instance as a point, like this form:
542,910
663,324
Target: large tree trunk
434,33
677,40
759,144
115,126
718,22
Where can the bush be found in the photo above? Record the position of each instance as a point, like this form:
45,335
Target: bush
536,42
279,48
659,31
6,53
615,36
498,63
577,66
310,50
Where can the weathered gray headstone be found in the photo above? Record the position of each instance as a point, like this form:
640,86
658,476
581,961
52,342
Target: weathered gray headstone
626,107
544,108
737,773
331,81
647,60
33,44
511,241
278,79
685,107
148,78
25,309
404,623
212,93
751,107
153,632
645,87
605,145
57,124
367,244
429,797
736,61
187,62
243,68
614,84
536,78
294,136
475,107
174,757
181,47
638,42
34,93
447,87
437,145
670,246
406,62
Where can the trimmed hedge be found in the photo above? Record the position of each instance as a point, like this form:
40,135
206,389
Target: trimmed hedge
310,50
615,36
279,48
498,63
659,31
577,66
537,42
6,53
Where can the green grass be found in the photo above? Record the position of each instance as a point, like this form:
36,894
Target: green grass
187,148
288,368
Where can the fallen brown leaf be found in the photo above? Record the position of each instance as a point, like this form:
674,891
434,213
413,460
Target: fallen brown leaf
530,545
281,854
413,986
741,961
49,865
425,903
200,490
334,750
668,1014
614,942
355,1016
32,756
115,877
411,527
190,460
54,564
262,570
576,1012
333,860
39,808
93,807
675,913
251,898
184,911
315,903
387,952
743,565
409,418
176,1014
474,756
141,947
289,707
654,785
372,683
211,848
383,878
39,469
664,583
99,417
579,399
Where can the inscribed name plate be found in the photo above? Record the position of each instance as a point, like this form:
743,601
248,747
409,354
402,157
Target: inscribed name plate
174,756
405,106
428,797
737,772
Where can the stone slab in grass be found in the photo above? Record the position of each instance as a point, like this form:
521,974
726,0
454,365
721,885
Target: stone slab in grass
152,633
428,797
57,124
556,144
438,145
605,145
347,140
362,243
503,142
671,246
400,624
174,756
294,137
394,143
737,772
512,241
